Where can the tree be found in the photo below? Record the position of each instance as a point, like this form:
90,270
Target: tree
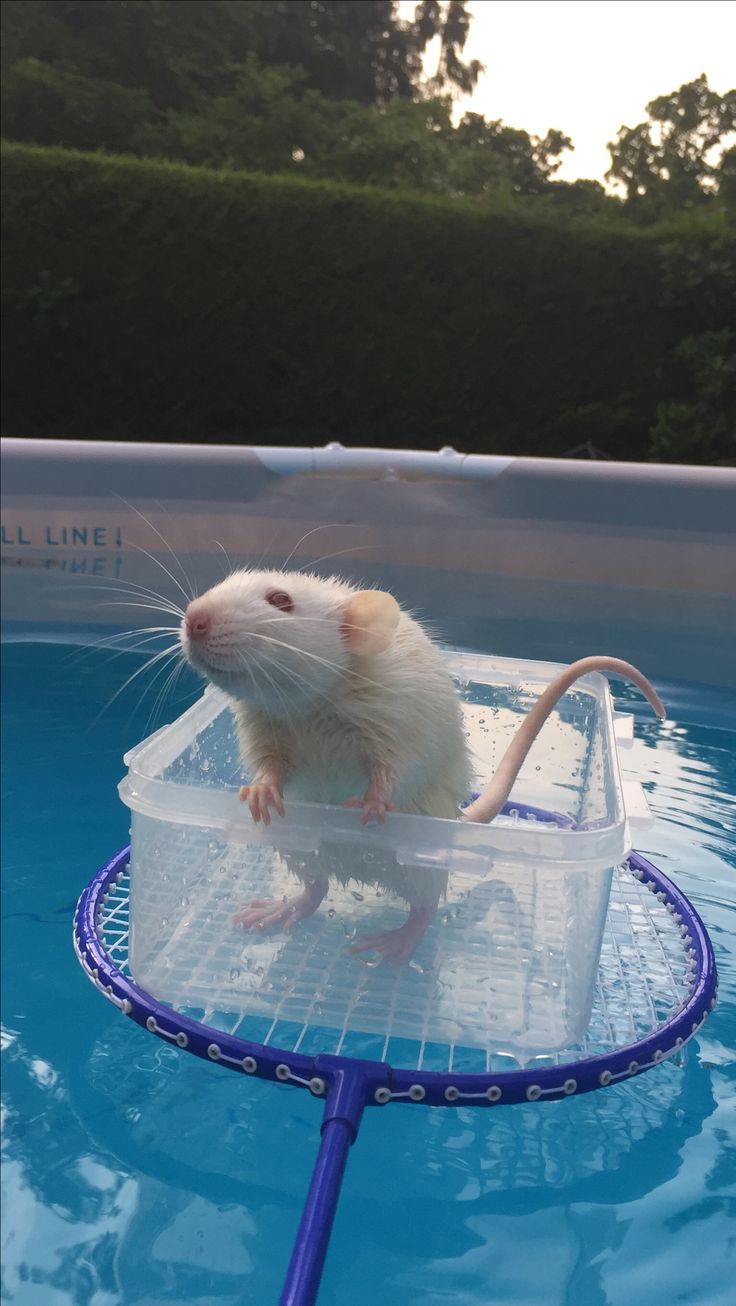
486,156
669,161
331,88
49,105
700,425
452,27
727,180
180,50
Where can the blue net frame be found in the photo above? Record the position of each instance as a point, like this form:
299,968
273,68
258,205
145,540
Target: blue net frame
347,1085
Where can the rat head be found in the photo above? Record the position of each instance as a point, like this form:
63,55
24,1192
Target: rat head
284,639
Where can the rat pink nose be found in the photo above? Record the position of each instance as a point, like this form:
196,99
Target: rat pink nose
197,621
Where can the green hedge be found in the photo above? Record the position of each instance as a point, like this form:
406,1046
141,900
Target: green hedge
155,301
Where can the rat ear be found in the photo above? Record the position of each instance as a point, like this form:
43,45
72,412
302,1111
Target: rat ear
369,621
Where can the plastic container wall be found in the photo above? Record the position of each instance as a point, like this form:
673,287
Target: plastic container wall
508,964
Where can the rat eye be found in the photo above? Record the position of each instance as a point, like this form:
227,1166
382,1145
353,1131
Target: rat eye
281,600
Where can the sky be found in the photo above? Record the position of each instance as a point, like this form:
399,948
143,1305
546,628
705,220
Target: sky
589,66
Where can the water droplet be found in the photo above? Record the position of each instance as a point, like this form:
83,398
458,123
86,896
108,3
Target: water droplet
234,973
332,912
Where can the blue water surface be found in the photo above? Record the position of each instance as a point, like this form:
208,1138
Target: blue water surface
137,1174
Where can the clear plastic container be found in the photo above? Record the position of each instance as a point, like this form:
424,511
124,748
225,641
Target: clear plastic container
508,964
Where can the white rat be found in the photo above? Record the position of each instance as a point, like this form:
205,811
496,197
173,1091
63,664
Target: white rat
341,697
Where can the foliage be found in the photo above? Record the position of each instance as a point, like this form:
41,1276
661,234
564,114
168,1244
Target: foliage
54,107
668,162
179,51
145,300
697,420
701,427
271,122
330,88
619,310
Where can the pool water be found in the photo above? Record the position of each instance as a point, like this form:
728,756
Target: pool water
136,1174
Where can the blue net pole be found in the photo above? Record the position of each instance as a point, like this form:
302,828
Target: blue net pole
346,1097
315,1226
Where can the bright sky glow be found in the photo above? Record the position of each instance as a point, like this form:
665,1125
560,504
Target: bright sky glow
589,66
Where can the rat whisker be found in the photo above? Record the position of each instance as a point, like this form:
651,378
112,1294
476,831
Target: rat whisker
175,555
166,545
266,665
107,643
299,680
150,662
266,551
129,587
248,668
135,591
159,563
326,526
348,672
227,555
263,669
165,666
338,554
296,678
131,603
166,688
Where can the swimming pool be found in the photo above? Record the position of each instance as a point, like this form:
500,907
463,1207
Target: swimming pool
136,1175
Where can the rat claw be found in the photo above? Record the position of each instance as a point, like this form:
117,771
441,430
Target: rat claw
371,807
260,798
375,808
266,913
397,946
394,951
262,914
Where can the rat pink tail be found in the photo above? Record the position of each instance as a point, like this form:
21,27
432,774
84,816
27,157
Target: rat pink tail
490,802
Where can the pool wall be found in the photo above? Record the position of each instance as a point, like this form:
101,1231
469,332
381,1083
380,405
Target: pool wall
524,556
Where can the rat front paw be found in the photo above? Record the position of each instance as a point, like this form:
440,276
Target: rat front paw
260,798
371,807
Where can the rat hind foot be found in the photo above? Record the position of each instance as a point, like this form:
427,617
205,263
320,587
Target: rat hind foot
397,946
267,914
